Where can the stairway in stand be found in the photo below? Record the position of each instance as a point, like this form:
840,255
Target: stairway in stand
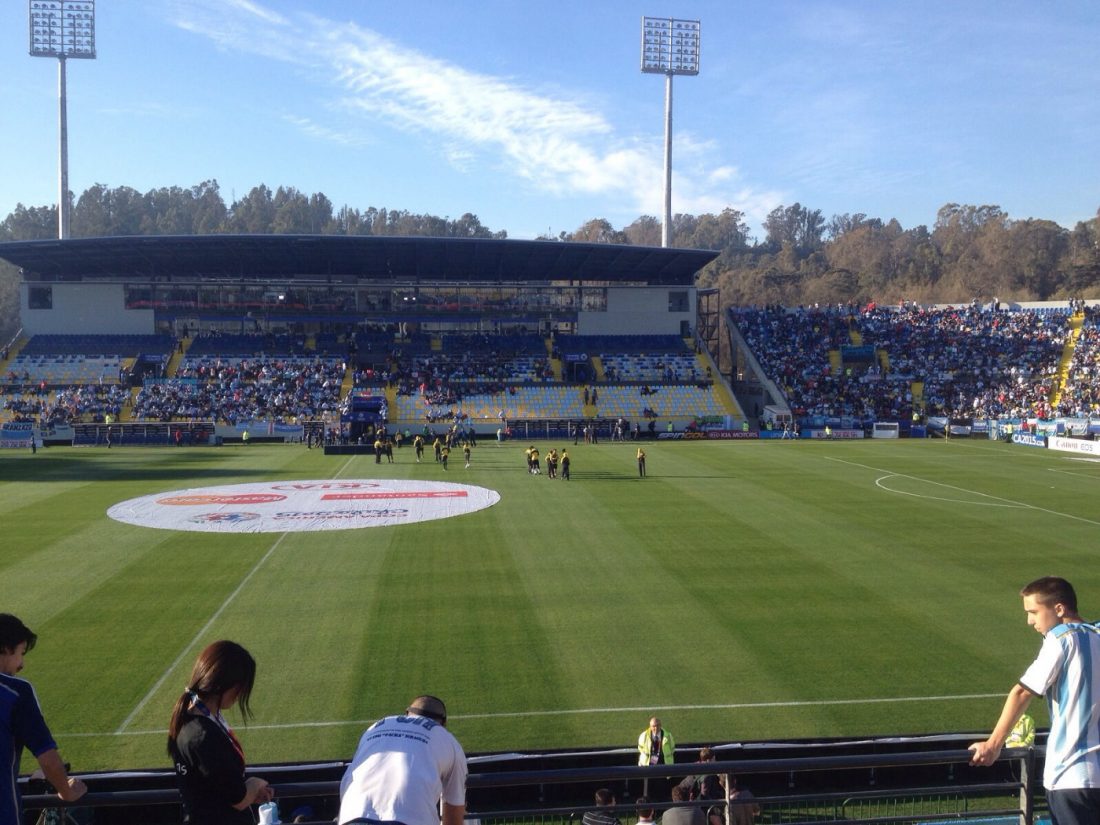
1076,322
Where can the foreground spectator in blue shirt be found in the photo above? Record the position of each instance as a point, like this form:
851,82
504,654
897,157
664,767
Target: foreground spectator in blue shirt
22,725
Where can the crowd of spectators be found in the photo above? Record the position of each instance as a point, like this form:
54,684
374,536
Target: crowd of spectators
1080,397
231,390
864,362
467,365
489,369
972,361
975,363
793,345
91,403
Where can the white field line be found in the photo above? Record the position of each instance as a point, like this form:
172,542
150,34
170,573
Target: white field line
202,632
880,483
1075,475
588,711
347,464
1007,501
206,627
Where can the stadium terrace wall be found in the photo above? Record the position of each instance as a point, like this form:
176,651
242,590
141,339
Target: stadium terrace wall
654,311
637,289
98,307
84,308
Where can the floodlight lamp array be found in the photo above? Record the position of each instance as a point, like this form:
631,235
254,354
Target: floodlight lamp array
62,28
670,46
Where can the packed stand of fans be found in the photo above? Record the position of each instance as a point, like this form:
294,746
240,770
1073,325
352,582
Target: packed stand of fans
236,389
79,403
793,347
1080,396
973,362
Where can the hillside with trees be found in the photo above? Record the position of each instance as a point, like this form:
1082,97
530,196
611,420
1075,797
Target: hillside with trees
970,252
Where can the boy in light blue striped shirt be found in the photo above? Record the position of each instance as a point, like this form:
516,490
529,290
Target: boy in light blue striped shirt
1067,672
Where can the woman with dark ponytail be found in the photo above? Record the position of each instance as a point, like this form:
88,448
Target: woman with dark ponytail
208,758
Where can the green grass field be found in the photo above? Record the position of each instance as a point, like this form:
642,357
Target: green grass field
750,590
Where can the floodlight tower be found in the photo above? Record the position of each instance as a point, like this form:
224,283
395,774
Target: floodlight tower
669,47
62,29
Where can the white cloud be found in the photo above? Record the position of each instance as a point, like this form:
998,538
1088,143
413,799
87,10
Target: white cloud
552,144
321,132
256,10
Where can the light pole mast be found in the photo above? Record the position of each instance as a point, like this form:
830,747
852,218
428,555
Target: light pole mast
62,151
62,29
669,47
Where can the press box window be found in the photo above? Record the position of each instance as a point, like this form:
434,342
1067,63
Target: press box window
40,297
678,301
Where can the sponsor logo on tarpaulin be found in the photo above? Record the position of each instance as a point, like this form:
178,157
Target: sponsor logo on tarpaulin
228,518
249,498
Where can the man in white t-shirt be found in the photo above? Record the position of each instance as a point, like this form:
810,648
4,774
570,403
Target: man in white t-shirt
404,766
1067,672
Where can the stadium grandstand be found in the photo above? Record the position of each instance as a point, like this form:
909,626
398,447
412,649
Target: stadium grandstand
278,334
942,369
206,337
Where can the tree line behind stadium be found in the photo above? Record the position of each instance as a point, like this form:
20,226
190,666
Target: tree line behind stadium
802,258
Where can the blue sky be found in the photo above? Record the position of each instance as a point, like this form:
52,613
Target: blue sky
537,118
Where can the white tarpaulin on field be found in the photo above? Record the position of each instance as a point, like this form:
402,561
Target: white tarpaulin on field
298,506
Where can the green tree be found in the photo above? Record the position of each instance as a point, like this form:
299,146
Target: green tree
597,230
291,212
795,225
211,214
1038,249
320,215
840,225
29,223
468,226
254,214
644,231
168,211
726,231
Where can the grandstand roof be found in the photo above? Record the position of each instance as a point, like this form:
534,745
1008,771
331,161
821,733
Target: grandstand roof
352,257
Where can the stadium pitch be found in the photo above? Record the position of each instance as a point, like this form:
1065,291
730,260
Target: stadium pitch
753,590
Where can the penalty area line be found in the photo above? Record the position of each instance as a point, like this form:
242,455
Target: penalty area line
1007,501
806,703
880,483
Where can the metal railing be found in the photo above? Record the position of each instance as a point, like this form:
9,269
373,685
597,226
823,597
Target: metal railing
834,793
